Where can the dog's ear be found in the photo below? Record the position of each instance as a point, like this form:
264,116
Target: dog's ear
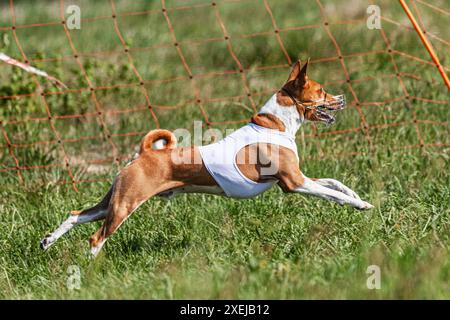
299,76
295,71
303,76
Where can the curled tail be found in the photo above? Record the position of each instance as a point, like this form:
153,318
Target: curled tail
158,139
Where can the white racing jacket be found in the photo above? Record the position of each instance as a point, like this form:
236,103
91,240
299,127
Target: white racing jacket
220,159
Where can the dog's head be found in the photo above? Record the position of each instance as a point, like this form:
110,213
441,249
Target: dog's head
312,101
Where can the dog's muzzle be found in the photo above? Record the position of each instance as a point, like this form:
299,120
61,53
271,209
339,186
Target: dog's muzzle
338,103
321,106
327,110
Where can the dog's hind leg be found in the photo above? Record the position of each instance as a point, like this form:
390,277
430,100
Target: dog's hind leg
132,189
117,213
95,213
102,205
69,223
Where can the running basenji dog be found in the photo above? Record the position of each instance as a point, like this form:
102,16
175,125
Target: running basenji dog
160,168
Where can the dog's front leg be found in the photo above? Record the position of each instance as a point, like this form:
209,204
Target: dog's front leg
291,179
338,186
311,187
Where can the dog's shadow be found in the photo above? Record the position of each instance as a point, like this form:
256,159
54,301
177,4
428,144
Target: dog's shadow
152,244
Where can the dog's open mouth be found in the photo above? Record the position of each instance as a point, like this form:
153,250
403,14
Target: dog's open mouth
326,110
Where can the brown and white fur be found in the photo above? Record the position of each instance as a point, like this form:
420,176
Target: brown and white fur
156,171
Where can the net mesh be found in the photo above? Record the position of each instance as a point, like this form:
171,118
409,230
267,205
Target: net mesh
135,66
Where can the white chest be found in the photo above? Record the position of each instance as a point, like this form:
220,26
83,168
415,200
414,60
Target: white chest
288,115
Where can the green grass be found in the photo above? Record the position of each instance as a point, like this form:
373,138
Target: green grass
200,246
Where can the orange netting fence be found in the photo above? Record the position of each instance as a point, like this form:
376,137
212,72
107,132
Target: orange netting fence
187,70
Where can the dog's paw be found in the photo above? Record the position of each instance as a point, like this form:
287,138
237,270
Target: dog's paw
45,243
365,206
